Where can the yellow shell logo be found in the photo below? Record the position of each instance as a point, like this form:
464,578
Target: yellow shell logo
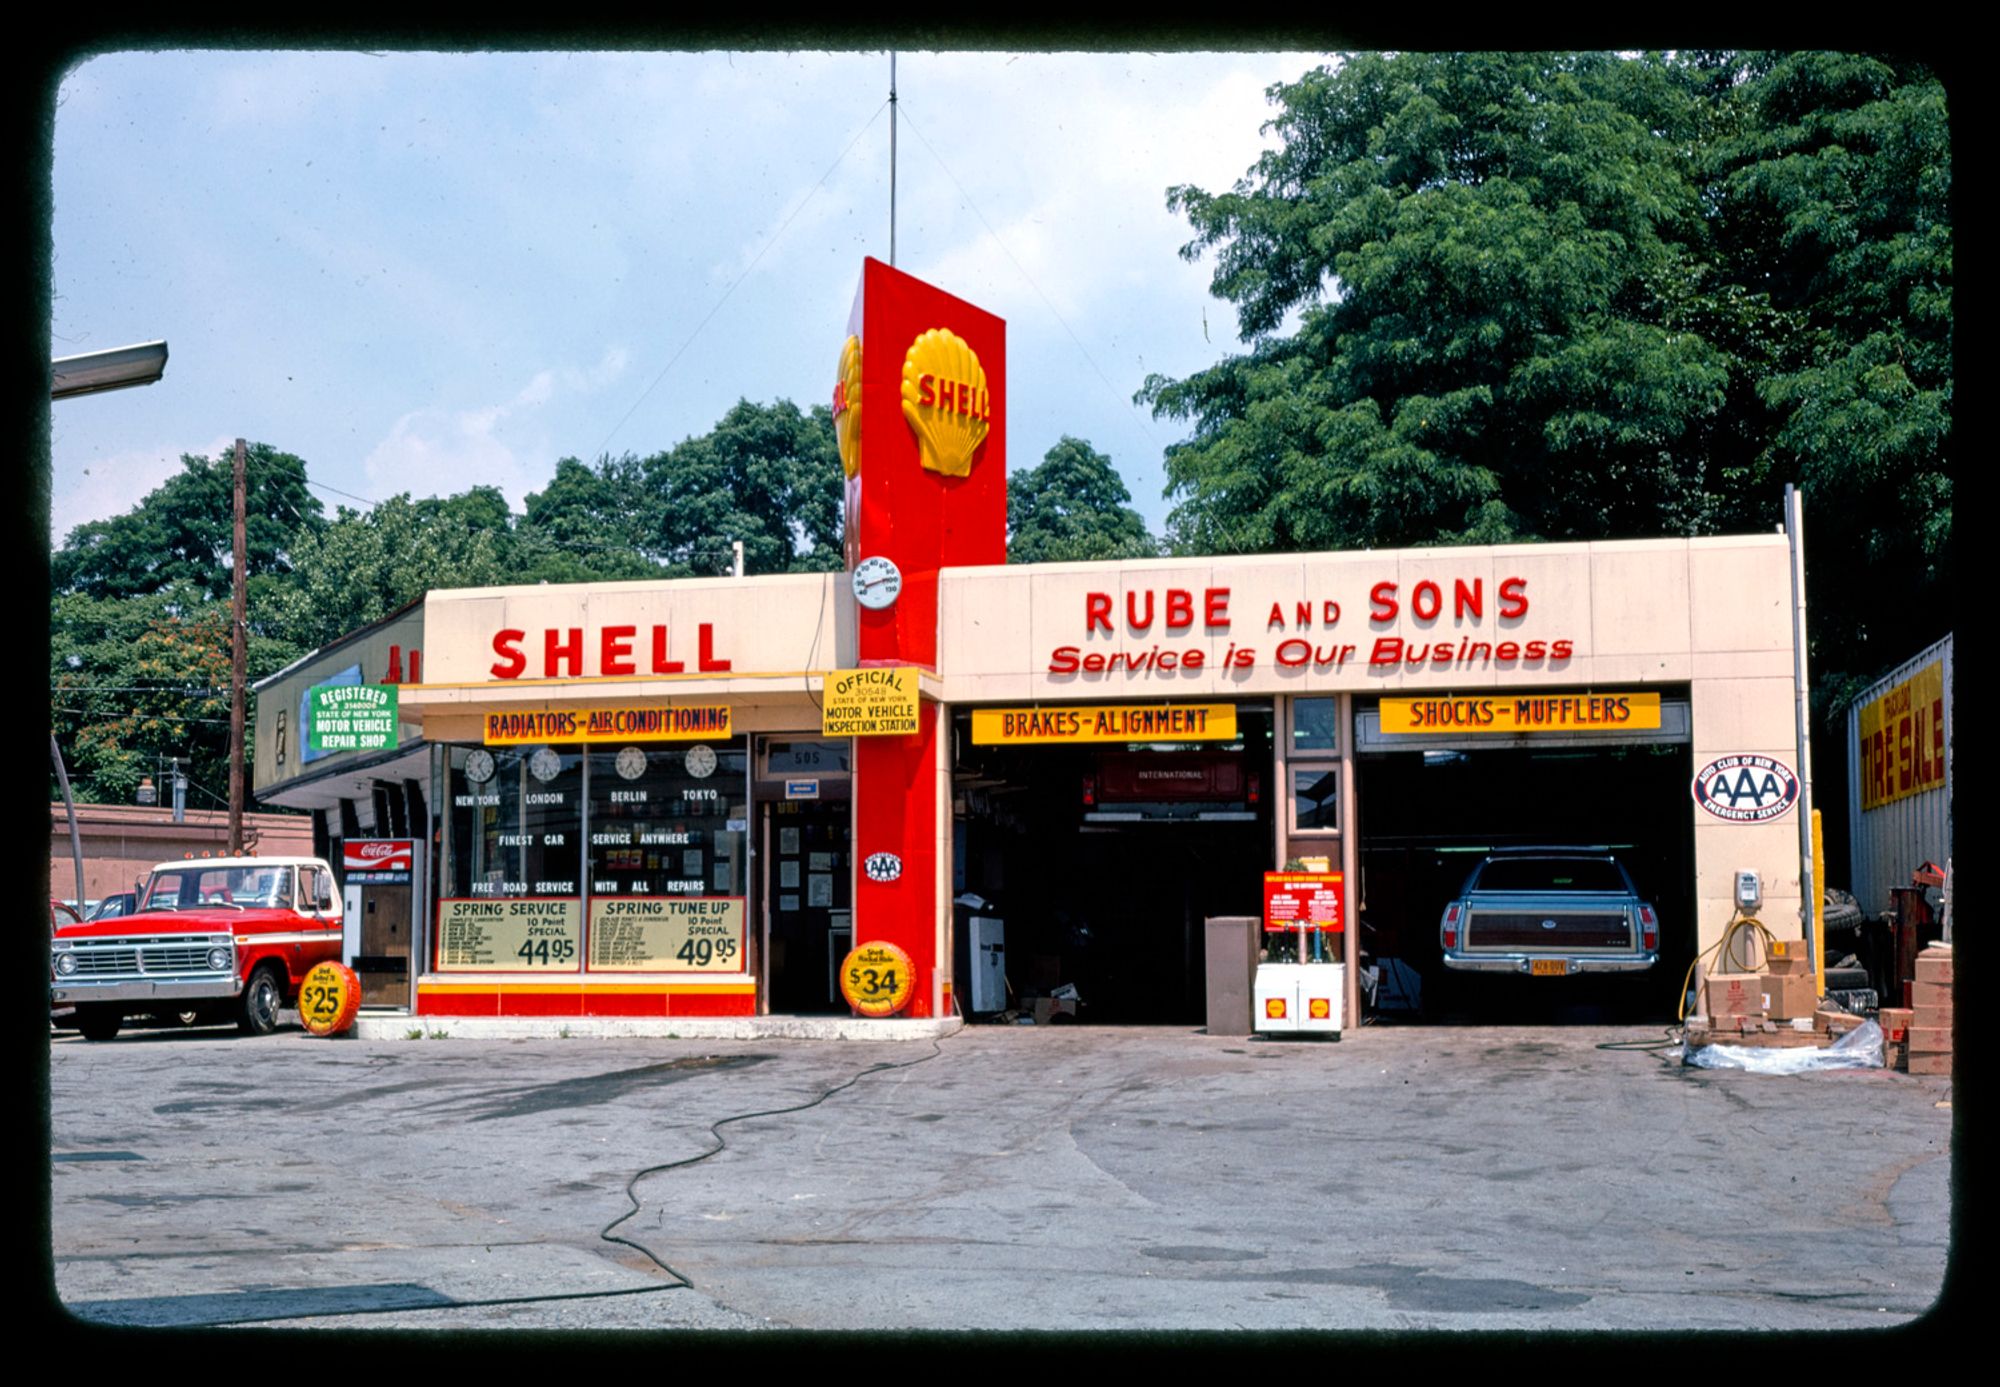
945,401
847,406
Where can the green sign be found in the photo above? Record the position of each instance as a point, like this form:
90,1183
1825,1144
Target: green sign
352,717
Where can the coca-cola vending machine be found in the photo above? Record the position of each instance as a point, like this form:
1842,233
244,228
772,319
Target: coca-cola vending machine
379,878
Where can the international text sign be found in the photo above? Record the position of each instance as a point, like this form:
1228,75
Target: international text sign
1151,722
1302,900
1902,739
352,717
1518,713
869,703
628,724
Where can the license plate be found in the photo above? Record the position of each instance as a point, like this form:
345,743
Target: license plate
1548,968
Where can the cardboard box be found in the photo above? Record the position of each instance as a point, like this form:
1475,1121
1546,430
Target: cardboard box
1047,1009
1895,1024
1787,958
1733,994
1930,994
1790,994
1835,1023
1930,1040
1930,1064
1934,966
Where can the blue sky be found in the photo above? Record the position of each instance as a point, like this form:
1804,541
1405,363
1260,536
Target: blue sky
423,272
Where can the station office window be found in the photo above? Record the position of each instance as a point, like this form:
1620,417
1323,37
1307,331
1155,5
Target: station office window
1313,759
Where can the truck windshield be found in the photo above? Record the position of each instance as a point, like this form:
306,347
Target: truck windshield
185,888
1551,874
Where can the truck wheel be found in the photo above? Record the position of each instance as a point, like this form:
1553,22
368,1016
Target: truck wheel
98,1023
258,1014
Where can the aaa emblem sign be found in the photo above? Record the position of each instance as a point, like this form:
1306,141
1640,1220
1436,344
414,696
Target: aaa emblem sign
329,998
1746,789
875,979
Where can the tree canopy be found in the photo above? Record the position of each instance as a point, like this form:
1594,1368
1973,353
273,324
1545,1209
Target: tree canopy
1073,506
1493,297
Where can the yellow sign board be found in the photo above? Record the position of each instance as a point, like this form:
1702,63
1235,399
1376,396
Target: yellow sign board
869,703
666,934
329,998
1518,713
876,980
630,724
538,934
1902,739
1144,722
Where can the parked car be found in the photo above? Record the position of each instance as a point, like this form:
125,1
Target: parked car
213,939
111,907
1550,912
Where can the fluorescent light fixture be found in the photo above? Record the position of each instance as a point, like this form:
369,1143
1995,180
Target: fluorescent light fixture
116,369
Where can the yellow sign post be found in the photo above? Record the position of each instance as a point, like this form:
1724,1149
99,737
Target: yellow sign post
869,703
686,723
329,998
1518,713
1146,722
875,979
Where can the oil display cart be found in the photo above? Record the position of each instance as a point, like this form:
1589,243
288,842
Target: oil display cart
1301,982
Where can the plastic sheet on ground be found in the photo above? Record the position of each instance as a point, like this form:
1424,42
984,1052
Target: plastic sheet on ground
1860,1048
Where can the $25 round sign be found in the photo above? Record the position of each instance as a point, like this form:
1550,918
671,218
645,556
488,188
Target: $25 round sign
875,979
329,998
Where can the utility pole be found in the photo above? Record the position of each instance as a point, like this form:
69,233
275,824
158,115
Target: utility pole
238,662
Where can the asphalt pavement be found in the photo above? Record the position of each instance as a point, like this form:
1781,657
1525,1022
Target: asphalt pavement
1002,1178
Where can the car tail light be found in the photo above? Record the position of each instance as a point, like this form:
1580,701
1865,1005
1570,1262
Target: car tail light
1649,928
1451,927
1089,791
1256,789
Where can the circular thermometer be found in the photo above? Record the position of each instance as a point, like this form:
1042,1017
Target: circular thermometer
877,581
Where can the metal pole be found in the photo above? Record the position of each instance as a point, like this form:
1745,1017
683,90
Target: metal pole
75,840
736,557
238,660
1808,881
892,156
180,793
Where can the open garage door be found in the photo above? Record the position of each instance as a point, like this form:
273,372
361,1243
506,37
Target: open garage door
1430,807
1103,861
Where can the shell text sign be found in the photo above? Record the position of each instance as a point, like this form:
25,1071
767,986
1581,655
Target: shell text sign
847,406
946,401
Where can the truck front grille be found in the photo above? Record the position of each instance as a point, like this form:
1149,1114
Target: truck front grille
142,958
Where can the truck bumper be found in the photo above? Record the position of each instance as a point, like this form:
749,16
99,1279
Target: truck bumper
1523,963
138,990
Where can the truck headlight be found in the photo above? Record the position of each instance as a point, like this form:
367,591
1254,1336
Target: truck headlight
65,963
218,959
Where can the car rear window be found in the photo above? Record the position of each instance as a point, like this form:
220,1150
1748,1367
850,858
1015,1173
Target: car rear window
1550,874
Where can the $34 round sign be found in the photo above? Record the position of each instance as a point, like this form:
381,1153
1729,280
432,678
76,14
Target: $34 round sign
875,979
329,998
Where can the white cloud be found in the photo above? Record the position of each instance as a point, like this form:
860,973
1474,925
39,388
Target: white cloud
440,451
114,484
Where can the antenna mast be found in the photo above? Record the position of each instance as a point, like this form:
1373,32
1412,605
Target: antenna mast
892,156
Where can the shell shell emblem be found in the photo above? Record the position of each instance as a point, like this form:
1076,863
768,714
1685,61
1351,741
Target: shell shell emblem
847,406
946,401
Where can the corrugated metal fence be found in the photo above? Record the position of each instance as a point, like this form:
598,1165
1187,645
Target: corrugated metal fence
1905,828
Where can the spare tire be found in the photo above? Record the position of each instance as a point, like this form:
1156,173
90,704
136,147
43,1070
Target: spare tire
1841,911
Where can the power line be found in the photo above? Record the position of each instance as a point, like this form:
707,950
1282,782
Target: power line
1144,422
755,260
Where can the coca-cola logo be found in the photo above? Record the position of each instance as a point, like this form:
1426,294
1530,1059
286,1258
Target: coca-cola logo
376,855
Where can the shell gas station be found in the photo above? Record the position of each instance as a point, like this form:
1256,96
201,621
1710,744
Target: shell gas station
936,785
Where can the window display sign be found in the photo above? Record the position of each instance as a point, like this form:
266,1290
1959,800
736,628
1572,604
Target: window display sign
1150,722
685,724
666,934
536,934
869,703
351,717
1517,713
1302,900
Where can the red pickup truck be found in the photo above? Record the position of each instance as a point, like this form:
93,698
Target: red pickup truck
224,938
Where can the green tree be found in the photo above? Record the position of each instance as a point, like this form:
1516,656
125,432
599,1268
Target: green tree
1513,296
1073,506
768,475
590,525
181,532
